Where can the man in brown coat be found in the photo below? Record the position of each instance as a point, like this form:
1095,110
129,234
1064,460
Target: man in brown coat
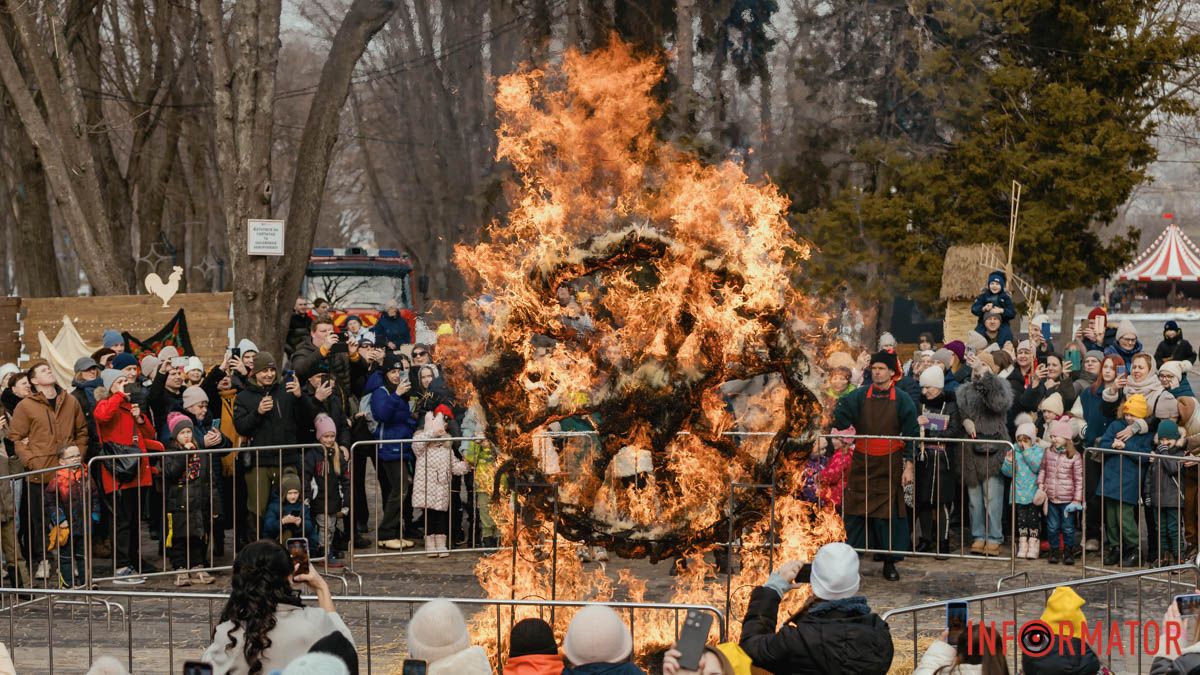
45,421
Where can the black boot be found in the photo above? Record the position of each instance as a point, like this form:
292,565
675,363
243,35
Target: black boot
889,571
1068,557
1056,555
1112,557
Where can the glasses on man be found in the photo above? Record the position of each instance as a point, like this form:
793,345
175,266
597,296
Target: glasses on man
420,353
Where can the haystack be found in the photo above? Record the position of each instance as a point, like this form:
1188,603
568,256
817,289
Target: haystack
964,274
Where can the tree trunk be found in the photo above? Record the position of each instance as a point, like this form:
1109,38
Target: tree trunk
37,264
685,64
1067,322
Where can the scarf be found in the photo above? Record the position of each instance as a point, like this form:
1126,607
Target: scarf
89,388
1148,386
227,400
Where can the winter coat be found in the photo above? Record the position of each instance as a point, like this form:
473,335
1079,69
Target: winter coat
534,664
115,424
308,359
1174,350
1023,469
190,494
392,329
40,427
159,402
985,401
277,508
1095,415
942,654
276,428
299,328
839,636
1115,349
470,661
1004,334
911,386
937,462
332,406
1122,479
8,500
395,422
331,488
436,467
1162,487
66,499
1032,397
1187,663
1063,659
296,629
604,669
85,394
1061,477
1001,300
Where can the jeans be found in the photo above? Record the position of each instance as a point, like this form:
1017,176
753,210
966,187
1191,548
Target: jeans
1059,522
987,522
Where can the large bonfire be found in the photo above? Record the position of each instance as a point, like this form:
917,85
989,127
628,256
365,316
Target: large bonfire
688,271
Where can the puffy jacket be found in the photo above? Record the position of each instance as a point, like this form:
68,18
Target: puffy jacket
534,664
115,424
1095,415
39,427
435,469
190,494
1061,477
277,508
840,636
394,422
392,329
1162,486
1023,469
1122,477
277,427
1063,659
942,654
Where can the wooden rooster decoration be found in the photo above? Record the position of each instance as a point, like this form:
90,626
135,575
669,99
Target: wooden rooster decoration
164,289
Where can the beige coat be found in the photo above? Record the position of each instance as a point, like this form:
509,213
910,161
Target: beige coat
296,630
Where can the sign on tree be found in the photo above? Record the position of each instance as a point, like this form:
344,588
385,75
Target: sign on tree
264,237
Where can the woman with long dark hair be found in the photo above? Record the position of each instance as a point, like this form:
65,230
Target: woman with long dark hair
264,625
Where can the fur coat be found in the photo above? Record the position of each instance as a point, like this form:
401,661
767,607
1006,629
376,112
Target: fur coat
985,401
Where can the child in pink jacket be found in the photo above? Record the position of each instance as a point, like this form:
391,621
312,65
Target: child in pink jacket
1061,478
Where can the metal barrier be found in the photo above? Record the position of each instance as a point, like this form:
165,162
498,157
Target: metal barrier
188,615
46,531
1170,585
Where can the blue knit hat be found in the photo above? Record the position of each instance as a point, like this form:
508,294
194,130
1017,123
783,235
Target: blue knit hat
112,338
1171,324
124,360
998,275
1168,429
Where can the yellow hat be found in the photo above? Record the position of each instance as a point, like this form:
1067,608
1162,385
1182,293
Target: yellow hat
1063,608
1136,405
445,329
737,657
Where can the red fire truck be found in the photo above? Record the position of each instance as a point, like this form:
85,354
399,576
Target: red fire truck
360,282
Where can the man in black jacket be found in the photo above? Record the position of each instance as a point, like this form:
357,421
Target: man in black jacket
835,633
268,414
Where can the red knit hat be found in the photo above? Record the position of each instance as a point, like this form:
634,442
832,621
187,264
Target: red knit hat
445,410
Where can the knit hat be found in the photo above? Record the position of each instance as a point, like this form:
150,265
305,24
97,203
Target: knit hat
85,363
1061,428
107,665
150,364
976,342
1166,407
193,395
245,345
1027,430
596,635
957,348
291,481
997,276
1063,607
886,358
1136,405
840,360
1025,345
124,360
835,572
194,363
444,410
945,357
933,377
1097,311
111,338
1176,368
531,636
336,644
1094,354
263,361
177,422
316,663
437,630
1171,324
109,376
988,360
367,339
353,317
392,361
167,353
324,425
1053,403
1168,429
1126,328
886,341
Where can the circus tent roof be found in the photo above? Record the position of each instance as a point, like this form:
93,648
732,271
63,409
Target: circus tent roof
1172,257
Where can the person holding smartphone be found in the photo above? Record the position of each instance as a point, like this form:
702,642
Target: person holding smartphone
1127,343
265,607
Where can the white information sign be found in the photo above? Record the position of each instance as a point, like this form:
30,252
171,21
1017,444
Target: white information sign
264,237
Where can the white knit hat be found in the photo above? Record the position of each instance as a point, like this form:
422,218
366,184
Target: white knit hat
597,635
1176,368
835,572
933,377
1053,403
247,346
976,341
1126,328
1027,430
886,341
316,663
194,363
437,630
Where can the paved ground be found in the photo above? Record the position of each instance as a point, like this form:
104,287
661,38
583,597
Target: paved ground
164,633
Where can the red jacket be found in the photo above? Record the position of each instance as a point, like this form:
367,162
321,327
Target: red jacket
534,664
114,423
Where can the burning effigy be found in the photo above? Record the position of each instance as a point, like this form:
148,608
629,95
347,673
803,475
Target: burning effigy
628,285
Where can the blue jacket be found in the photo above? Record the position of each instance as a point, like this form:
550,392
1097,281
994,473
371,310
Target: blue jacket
1093,414
1002,300
1122,479
396,422
394,330
1115,350
271,527
1028,463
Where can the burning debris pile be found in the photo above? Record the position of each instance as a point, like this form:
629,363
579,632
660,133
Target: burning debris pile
630,282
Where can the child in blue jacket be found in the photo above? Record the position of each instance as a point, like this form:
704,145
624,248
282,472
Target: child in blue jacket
1022,463
289,517
995,300
1121,480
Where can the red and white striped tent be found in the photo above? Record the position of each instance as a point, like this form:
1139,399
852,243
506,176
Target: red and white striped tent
1172,257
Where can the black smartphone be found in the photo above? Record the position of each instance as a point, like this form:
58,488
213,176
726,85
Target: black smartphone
235,353
804,575
197,668
956,620
288,375
1189,605
414,667
692,639
298,548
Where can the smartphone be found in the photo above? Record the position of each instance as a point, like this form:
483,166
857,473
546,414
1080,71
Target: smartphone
1120,370
288,374
1046,331
1098,327
1189,605
216,424
956,619
1076,360
298,548
235,353
803,576
197,668
414,667
692,639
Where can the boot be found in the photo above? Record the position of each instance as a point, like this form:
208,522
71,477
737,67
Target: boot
1034,549
431,547
1068,557
1054,556
443,552
1023,550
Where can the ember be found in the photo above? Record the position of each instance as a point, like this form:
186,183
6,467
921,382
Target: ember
684,275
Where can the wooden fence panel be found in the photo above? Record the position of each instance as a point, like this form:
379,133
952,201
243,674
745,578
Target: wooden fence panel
10,328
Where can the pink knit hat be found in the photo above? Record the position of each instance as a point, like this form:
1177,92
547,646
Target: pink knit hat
324,424
1061,428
